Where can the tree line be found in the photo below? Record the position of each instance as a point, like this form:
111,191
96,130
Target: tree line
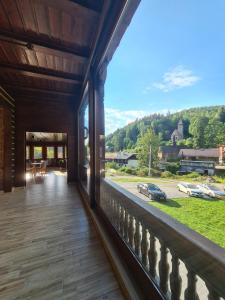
204,127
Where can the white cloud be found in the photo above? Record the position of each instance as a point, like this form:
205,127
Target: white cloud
115,118
176,78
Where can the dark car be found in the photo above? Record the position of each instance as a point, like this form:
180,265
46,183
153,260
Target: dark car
152,191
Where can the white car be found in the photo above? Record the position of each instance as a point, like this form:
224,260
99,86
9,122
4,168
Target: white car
190,189
211,191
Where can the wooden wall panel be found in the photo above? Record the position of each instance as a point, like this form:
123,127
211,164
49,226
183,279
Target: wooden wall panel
7,141
8,152
1,147
45,117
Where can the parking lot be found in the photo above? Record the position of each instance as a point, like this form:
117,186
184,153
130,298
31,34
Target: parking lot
169,187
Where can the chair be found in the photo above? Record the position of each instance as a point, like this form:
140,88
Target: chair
43,167
30,169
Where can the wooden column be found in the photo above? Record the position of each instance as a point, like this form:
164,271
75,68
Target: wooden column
1,146
99,130
31,152
5,149
44,152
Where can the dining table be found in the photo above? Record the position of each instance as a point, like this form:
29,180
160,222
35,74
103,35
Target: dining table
36,164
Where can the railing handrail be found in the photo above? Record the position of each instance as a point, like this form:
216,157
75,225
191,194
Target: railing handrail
204,256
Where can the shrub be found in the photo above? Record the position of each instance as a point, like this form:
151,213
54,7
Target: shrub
193,175
166,174
172,167
111,165
155,173
142,171
128,170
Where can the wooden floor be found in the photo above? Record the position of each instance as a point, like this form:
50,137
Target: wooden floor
48,248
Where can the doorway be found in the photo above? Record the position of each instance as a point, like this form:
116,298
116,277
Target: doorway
46,156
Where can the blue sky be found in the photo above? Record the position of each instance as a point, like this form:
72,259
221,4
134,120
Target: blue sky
171,57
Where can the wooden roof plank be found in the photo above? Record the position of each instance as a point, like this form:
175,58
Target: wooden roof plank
39,41
41,72
39,90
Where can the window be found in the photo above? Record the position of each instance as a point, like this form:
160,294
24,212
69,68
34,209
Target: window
27,152
60,152
84,147
37,152
50,152
65,152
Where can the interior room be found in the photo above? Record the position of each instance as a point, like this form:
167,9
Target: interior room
46,155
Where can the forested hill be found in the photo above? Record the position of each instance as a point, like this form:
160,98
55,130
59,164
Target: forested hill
204,127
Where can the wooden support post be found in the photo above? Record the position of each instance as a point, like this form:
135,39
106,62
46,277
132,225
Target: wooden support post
99,130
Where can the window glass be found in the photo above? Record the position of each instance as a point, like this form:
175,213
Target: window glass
84,147
50,152
60,152
65,152
37,152
27,152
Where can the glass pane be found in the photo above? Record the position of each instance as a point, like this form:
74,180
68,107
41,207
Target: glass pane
60,152
84,151
27,152
50,152
65,152
37,152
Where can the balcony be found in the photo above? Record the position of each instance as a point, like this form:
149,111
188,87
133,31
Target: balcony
49,248
52,80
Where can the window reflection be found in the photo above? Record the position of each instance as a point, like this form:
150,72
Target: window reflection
84,145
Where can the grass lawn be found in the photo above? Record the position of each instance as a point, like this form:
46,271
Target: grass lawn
204,216
136,179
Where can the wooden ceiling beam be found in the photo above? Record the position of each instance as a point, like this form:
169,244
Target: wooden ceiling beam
31,42
40,72
45,99
95,5
24,89
73,88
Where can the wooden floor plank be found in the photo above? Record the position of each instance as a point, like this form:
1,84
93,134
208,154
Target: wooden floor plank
48,247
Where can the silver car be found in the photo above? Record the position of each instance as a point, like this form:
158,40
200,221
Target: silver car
191,189
212,191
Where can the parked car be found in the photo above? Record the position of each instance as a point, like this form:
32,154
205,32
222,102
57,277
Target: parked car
152,191
212,191
190,189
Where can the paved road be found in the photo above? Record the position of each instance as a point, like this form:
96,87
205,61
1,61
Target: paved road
169,187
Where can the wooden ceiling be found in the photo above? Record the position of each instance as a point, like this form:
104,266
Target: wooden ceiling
45,46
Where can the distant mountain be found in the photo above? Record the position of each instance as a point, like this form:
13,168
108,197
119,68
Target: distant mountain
202,127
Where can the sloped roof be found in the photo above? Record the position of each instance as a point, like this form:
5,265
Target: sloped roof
124,155
170,149
210,152
119,155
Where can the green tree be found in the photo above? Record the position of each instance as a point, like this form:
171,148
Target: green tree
221,114
143,147
118,140
197,129
214,133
